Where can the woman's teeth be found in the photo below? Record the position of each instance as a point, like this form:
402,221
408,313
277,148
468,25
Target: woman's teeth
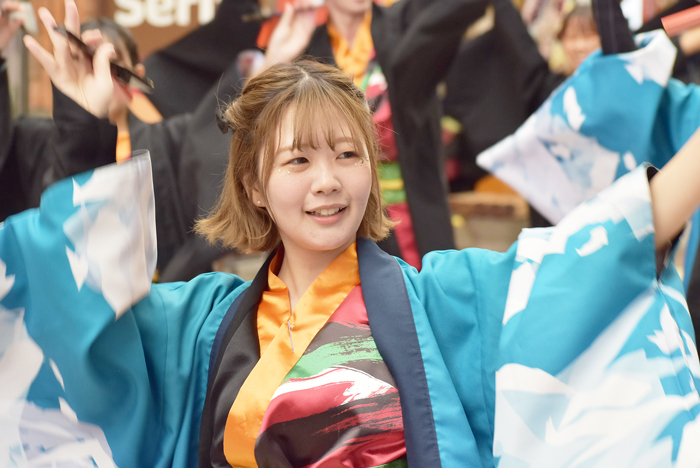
326,212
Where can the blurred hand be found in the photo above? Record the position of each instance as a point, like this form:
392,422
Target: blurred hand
8,27
292,34
88,84
690,41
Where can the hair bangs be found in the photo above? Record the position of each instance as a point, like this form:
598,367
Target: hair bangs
322,114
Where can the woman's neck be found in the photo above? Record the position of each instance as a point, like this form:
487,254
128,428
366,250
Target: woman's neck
301,267
345,23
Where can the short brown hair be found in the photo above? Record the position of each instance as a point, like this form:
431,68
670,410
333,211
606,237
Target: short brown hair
318,94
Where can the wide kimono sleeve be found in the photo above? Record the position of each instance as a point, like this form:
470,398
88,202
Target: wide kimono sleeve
98,367
458,299
571,349
615,113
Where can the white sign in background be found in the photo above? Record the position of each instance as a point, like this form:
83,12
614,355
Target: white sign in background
163,13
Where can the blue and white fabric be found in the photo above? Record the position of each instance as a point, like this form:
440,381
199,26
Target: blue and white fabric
602,370
615,113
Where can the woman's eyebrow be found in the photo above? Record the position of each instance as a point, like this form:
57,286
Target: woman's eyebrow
304,145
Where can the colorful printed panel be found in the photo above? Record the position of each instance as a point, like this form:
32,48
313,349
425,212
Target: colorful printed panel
339,405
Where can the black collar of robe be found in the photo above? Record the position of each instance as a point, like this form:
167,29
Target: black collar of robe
236,350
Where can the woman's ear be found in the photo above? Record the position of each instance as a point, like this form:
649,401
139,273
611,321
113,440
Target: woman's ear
253,191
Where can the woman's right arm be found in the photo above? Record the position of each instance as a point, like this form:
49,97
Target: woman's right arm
88,347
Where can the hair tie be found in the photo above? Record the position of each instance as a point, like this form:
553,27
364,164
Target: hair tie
222,122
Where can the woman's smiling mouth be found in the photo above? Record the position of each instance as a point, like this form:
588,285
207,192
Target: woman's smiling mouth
325,212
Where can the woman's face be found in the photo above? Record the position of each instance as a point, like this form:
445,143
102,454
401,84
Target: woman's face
579,41
317,197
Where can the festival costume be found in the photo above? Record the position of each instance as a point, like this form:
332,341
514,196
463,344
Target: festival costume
499,358
337,404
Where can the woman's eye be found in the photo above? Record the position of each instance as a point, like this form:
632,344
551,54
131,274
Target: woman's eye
347,155
299,160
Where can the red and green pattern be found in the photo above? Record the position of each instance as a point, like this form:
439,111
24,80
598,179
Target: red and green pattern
338,406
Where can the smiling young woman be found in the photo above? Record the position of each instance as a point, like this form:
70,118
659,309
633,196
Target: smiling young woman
322,157
308,107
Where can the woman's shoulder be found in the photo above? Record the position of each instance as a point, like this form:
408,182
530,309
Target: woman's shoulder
210,288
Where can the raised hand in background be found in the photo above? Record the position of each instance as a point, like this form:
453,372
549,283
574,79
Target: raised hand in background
88,83
292,34
8,26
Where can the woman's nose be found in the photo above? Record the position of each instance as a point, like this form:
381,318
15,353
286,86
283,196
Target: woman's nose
326,179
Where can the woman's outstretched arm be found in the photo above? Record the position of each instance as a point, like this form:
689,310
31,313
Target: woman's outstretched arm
675,191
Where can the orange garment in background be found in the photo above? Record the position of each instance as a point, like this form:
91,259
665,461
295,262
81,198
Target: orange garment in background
311,313
353,59
269,26
146,112
123,146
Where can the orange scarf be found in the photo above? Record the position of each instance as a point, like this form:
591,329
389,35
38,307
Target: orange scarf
353,60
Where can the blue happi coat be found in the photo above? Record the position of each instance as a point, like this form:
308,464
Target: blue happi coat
567,350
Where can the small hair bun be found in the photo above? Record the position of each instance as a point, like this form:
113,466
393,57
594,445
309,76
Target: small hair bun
222,122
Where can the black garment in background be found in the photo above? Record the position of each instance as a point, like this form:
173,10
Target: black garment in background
613,29
30,149
416,42
186,70
22,144
496,82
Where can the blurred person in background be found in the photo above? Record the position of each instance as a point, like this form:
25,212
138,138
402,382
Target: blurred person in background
578,36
